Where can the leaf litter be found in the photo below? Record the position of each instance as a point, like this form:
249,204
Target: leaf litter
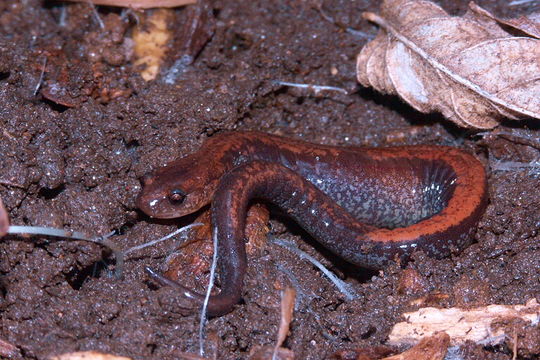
468,68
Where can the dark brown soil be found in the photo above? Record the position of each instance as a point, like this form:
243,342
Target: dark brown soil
72,151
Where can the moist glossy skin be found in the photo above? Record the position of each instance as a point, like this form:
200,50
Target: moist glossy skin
367,205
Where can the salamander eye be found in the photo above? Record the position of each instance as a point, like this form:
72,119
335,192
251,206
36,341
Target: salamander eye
176,196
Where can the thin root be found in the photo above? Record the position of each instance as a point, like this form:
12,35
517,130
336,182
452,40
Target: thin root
208,292
153,242
40,81
96,14
343,287
74,235
315,88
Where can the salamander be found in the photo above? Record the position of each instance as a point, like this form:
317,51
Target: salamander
368,206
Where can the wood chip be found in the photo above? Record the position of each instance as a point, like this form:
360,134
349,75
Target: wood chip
429,348
88,355
150,38
462,324
140,4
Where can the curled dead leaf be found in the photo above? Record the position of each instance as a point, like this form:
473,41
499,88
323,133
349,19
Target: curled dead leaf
527,24
277,352
468,68
287,308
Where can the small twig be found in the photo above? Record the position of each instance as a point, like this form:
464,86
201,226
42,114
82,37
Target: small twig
202,322
4,219
343,287
360,34
12,184
514,345
40,81
463,324
315,88
521,138
301,295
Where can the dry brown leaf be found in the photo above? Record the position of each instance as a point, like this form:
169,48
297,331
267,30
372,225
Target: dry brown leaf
4,219
470,70
287,307
140,4
529,24
88,355
277,352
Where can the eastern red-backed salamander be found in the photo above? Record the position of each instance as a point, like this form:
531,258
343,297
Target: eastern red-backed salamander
367,205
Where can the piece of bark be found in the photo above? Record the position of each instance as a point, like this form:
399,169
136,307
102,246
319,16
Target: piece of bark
171,40
140,4
197,29
475,324
429,348
198,26
471,71
151,37
363,353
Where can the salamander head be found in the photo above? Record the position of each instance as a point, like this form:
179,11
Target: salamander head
180,188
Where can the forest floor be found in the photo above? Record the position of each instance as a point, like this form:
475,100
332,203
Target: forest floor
79,127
